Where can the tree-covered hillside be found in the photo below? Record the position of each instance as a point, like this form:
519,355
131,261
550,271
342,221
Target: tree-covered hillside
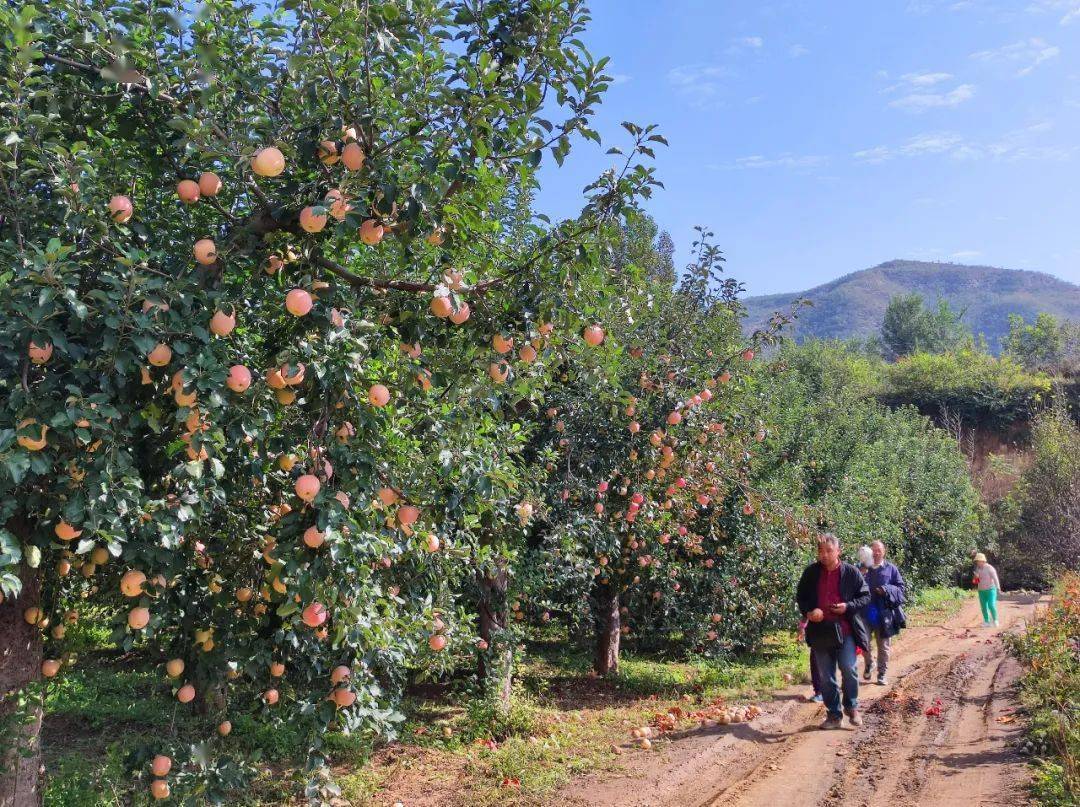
853,305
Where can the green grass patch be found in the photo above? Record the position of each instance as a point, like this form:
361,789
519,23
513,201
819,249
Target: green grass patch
562,722
930,605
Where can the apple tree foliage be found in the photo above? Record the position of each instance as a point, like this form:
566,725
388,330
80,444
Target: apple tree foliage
655,527
131,439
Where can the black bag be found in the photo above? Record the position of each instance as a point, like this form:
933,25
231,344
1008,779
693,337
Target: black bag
824,635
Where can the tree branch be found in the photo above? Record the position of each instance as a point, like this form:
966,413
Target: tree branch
143,88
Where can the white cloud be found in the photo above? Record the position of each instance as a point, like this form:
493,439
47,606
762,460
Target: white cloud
745,43
927,6
620,78
784,160
701,83
921,101
925,79
929,143
1068,9
1028,53
795,51
1013,146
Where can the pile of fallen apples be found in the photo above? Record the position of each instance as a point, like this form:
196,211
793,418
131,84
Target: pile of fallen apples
715,714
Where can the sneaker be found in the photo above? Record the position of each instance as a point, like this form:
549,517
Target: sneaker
986,623
854,716
995,623
882,681
816,699
832,722
866,673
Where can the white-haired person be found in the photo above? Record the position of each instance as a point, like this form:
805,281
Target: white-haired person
885,614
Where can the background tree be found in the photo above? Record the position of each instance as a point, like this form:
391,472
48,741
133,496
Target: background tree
909,326
1045,344
1039,521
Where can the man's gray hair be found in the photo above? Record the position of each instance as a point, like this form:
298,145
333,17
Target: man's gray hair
828,538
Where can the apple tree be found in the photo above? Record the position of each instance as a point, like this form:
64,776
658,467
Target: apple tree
253,268
652,489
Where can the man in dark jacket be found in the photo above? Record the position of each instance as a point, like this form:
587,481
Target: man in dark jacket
831,595
888,593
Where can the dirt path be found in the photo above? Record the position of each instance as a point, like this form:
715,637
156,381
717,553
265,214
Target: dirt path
901,756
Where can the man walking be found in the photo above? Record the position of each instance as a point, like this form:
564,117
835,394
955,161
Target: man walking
888,593
831,595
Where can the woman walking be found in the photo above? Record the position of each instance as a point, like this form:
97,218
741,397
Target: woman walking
986,578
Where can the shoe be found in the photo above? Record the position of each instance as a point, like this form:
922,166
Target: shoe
986,623
882,681
832,722
995,623
866,673
854,716
816,699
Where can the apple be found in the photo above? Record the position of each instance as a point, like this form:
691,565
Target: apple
188,191
268,162
593,335
120,208
209,183
298,302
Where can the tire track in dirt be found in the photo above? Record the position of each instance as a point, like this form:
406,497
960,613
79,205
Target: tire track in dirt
901,756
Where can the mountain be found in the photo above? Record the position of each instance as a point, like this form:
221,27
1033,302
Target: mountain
854,305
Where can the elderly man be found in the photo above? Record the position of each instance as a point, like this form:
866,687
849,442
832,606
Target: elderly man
831,595
888,593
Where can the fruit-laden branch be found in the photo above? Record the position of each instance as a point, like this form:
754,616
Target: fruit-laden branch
263,221
362,282
359,281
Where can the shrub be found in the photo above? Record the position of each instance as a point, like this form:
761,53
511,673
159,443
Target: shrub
1041,516
1050,652
969,384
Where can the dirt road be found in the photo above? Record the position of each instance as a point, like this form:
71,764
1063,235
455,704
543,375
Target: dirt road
939,735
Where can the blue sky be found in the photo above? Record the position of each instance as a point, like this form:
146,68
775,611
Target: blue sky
819,138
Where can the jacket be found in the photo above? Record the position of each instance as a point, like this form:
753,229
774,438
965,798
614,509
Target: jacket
853,589
885,612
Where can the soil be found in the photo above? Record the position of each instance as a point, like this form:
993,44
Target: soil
940,734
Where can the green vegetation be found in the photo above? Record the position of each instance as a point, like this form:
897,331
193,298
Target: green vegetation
967,386
1038,522
1050,653
1045,344
910,327
872,472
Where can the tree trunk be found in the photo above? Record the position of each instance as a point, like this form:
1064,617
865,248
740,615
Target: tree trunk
20,723
608,624
496,665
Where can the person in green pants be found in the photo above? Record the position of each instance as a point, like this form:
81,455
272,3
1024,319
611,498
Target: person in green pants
986,578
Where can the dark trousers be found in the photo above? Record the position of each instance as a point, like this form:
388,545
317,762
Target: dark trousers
815,676
826,662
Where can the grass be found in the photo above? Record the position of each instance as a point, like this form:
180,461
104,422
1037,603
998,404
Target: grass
454,747
931,605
